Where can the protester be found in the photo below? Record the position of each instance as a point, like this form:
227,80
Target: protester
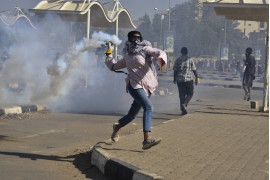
141,82
249,73
260,70
237,68
183,66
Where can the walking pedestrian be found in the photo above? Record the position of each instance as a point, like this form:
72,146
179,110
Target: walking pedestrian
141,82
238,67
183,66
260,70
249,74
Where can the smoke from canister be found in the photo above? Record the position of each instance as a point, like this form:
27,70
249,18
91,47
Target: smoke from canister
58,82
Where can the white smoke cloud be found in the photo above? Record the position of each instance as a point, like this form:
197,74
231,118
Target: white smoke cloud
60,82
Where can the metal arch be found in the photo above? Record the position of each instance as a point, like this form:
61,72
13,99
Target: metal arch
113,17
44,6
121,11
84,7
19,15
101,7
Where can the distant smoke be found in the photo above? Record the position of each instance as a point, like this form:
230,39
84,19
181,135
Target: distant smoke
59,81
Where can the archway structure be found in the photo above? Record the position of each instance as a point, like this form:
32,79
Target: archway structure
10,17
92,12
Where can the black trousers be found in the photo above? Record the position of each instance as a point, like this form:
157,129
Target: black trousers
247,82
185,90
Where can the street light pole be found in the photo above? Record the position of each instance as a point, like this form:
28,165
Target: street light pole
169,29
88,37
160,38
169,15
161,18
225,33
116,29
168,12
116,7
266,75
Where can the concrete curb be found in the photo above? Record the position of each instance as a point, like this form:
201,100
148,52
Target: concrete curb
21,109
117,169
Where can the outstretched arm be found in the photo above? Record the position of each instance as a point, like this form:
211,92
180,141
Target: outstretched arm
113,65
159,54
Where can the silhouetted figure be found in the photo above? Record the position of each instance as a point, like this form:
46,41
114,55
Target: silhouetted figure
183,68
249,74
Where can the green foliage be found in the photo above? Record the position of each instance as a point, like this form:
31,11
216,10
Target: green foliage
197,28
145,27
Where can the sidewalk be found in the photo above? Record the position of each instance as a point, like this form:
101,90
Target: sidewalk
223,142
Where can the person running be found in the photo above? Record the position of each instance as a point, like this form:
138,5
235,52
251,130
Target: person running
141,82
183,66
249,74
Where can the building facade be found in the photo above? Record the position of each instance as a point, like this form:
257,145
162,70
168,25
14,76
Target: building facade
251,26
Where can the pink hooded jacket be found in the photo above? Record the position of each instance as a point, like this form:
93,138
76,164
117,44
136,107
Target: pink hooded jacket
140,74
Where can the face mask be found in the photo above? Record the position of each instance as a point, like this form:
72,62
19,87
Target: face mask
135,39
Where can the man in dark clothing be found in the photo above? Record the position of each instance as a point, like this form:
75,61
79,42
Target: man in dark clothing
249,74
237,68
183,66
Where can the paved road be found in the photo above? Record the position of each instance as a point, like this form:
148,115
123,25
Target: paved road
47,145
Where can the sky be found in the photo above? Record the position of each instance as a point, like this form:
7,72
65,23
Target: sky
137,8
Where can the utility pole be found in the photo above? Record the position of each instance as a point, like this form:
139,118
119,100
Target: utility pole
161,28
88,37
116,28
160,38
169,29
266,75
117,6
169,15
225,31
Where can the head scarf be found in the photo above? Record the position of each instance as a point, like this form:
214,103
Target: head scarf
133,48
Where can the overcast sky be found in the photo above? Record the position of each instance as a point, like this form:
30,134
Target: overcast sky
137,8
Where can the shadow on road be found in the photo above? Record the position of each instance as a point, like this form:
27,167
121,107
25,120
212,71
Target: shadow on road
38,156
7,138
81,161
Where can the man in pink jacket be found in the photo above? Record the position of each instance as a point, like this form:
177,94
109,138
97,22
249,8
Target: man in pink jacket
141,82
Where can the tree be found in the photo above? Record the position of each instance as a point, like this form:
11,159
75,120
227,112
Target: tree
145,27
202,36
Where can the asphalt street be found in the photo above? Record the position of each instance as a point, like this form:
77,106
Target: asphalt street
46,145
